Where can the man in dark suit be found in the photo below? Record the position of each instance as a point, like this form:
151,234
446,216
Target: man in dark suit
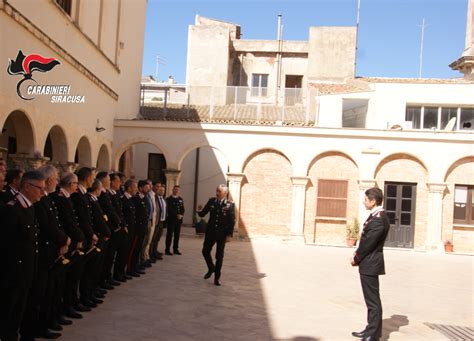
12,187
20,242
369,258
175,206
219,230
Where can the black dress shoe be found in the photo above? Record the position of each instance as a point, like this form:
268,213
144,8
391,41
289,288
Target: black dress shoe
88,303
359,334
168,253
64,322
133,274
96,300
99,294
146,265
128,277
176,252
152,260
208,274
49,335
217,282
159,257
106,286
81,308
140,272
113,282
120,279
55,326
100,290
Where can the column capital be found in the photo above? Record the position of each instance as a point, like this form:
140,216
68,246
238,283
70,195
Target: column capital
235,177
434,187
172,172
366,184
300,180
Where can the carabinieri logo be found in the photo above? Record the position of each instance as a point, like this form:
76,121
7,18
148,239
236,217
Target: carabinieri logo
25,65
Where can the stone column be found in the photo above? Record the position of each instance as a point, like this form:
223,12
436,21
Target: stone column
235,184
363,186
298,205
434,240
172,176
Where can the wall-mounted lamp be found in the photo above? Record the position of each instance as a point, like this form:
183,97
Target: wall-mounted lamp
98,128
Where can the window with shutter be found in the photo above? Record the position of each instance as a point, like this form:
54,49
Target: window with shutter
332,198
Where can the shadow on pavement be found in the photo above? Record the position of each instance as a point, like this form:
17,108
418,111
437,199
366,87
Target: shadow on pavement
393,324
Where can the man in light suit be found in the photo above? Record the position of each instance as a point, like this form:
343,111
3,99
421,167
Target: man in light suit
369,258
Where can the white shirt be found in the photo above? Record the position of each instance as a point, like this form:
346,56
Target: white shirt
23,200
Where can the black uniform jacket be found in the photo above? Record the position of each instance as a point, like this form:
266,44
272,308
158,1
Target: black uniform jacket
84,214
128,209
369,254
99,218
67,217
19,246
113,217
51,235
175,206
141,215
221,217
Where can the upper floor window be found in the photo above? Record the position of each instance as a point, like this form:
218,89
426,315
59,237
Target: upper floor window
464,205
431,117
65,5
259,84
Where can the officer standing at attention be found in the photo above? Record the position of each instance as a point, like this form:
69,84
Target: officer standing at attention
20,242
219,230
175,206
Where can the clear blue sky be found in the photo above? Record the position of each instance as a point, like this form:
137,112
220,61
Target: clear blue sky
389,33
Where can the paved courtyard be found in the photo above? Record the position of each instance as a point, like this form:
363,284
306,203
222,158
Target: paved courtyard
282,291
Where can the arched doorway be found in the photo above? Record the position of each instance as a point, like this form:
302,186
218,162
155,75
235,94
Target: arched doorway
403,178
103,159
202,169
83,156
17,139
266,197
55,147
143,161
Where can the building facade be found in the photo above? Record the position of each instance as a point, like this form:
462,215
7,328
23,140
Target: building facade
299,168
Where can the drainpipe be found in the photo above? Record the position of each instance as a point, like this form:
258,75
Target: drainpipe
278,59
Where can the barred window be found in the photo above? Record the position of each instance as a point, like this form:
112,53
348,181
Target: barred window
332,198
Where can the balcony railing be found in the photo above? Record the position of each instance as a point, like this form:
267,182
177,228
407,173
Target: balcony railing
231,104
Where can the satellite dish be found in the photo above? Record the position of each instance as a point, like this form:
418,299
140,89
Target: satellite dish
451,124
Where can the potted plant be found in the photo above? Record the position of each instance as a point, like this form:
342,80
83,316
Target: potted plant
448,246
352,232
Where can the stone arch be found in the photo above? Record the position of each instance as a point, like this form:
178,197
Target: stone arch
128,144
457,164
266,195
103,158
209,166
405,168
18,134
331,165
460,173
55,146
83,155
263,150
399,156
331,153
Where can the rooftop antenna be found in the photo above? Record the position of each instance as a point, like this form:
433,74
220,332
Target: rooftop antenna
357,36
159,61
423,26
